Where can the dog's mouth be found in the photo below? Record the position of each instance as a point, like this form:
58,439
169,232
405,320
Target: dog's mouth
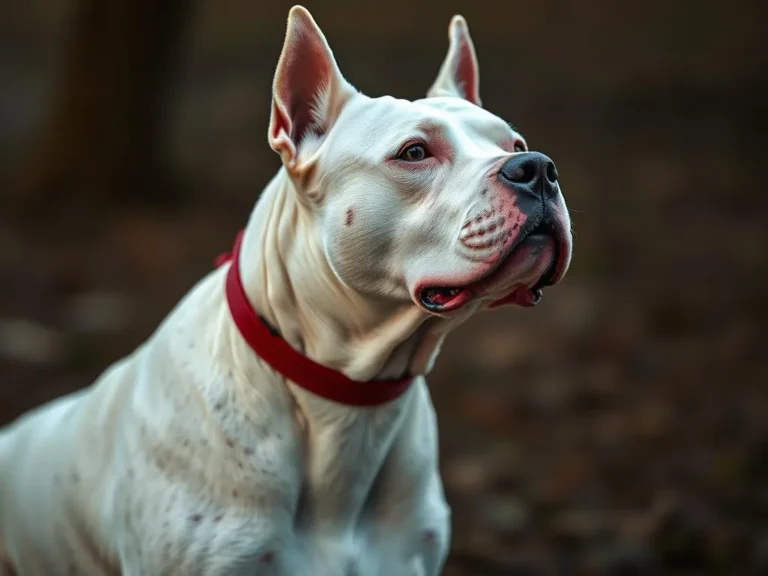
542,251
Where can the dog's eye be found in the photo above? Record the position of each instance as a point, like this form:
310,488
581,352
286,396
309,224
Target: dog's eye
414,153
520,146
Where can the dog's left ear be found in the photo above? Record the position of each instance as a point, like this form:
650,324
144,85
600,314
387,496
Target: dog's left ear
308,91
459,76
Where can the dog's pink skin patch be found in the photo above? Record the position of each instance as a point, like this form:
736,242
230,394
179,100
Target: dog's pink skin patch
350,216
496,227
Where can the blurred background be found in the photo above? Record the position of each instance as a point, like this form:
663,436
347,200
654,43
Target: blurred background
621,427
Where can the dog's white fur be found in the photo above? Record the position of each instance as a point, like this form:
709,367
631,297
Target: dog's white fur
191,456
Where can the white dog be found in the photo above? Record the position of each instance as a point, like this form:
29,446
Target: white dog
278,421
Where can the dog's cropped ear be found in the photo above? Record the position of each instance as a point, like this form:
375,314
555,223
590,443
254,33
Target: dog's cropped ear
308,91
459,75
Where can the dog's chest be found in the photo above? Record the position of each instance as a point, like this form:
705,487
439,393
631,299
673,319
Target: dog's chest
343,453
361,496
365,497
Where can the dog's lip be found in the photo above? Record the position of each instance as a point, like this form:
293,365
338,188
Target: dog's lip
457,296
453,297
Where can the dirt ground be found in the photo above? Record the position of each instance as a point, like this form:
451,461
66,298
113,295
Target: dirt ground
621,427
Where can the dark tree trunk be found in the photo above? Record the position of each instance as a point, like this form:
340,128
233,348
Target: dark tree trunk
103,142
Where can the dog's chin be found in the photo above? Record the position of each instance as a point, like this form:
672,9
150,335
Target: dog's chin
517,280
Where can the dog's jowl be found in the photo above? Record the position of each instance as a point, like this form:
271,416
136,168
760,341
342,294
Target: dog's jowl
278,421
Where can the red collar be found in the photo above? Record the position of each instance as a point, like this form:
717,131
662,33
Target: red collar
270,347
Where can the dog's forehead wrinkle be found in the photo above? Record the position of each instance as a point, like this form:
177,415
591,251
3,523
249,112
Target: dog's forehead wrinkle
471,121
462,108
373,126
387,114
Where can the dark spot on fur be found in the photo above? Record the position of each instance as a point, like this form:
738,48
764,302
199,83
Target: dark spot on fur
196,518
350,216
272,330
218,518
234,493
239,464
249,451
230,442
75,478
185,443
218,406
268,557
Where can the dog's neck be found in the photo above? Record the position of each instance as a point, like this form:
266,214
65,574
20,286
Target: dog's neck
289,282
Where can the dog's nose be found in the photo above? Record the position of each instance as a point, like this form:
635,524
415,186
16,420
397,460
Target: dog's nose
532,173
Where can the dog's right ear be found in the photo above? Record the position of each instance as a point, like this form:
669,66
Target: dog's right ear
308,91
459,75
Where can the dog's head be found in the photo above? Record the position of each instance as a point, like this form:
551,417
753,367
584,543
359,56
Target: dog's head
437,201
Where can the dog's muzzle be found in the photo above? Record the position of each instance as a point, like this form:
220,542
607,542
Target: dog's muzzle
532,176
532,179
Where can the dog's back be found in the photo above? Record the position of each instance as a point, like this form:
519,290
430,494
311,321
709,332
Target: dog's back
48,498
34,452
65,467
